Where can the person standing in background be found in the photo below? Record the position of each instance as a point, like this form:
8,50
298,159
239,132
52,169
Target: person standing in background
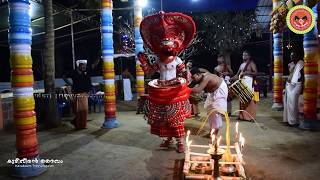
293,89
247,72
128,80
81,86
224,71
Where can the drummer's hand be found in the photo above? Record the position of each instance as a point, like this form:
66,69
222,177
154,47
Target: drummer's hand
242,74
234,78
225,73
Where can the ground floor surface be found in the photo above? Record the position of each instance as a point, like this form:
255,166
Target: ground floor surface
273,151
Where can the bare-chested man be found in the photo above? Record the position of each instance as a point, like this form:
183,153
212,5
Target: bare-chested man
217,95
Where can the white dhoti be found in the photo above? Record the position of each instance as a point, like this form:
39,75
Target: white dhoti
217,100
247,80
127,90
290,102
291,97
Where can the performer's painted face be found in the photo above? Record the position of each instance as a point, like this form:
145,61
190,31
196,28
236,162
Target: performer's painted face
245,56
169,46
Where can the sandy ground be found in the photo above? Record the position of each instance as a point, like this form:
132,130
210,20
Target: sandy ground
272,151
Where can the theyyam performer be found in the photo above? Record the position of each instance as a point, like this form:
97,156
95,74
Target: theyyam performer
167,34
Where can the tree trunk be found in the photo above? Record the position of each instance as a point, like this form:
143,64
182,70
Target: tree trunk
51,114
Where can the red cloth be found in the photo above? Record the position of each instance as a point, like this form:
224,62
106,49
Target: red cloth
163,131
167,120
167,107
80,110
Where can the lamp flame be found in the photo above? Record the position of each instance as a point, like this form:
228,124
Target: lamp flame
189,144
213,137
187,137
211,132
218,142
237,127
242,142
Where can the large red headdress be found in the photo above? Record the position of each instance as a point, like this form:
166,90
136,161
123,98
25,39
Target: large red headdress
167,33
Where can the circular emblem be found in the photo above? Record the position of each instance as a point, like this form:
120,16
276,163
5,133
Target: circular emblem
300,19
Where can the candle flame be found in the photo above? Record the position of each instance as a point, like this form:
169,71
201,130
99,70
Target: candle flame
187,137
219,139
237,127
242,142
211,132
213,137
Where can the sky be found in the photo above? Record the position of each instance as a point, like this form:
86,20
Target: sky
202,5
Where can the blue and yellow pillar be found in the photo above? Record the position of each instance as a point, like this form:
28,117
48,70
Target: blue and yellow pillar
138,47
20,40
277,67
108,65
310,91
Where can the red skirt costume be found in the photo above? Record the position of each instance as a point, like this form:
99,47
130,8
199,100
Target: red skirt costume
167,34
167,107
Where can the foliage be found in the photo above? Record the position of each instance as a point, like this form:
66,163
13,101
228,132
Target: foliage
225,30
126,32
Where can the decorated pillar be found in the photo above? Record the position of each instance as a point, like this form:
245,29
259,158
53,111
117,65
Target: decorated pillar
108,65
310,46
138,46
318,26
278,72
278,67
20,40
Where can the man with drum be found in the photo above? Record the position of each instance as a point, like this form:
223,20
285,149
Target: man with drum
246,73
217,95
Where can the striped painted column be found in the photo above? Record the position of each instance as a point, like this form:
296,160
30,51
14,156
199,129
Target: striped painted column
278,72
108,65
310,46
318,26
20,40
278,67
138,47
